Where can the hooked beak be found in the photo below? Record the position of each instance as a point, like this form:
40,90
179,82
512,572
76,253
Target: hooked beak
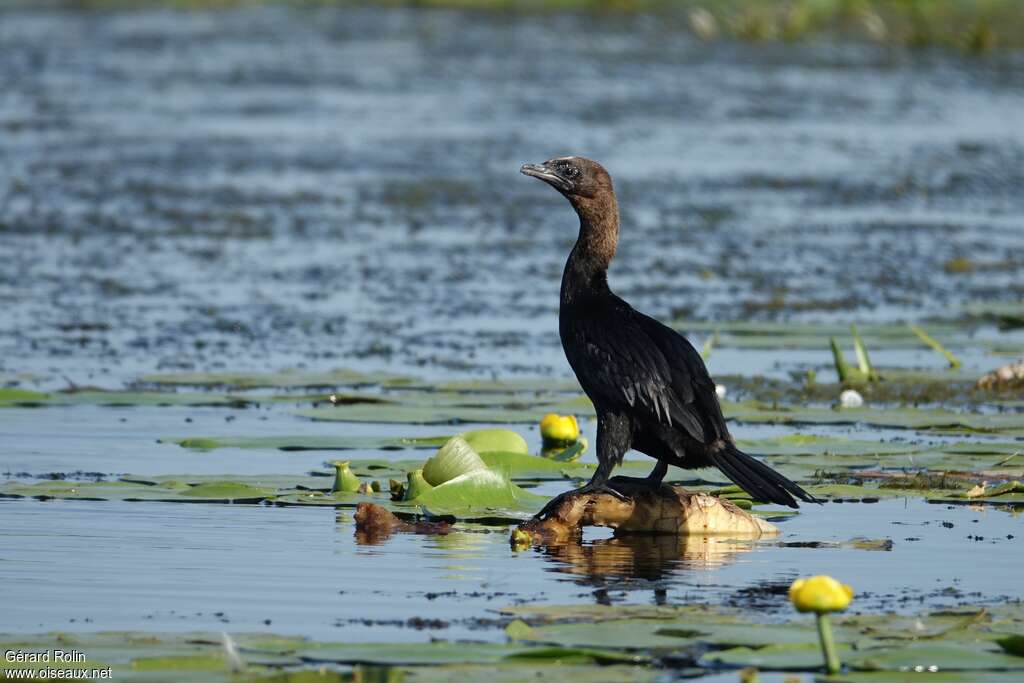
548,175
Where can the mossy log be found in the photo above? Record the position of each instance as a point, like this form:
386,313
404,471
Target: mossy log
666,510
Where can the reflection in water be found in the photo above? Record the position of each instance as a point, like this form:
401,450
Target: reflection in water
645,557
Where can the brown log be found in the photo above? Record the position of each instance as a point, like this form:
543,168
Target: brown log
666,510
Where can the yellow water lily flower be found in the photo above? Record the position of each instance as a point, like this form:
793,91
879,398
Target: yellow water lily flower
559,429
820,594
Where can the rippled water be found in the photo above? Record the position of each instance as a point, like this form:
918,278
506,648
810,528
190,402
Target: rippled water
274,187
176,567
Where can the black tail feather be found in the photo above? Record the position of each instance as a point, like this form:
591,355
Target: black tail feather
759,480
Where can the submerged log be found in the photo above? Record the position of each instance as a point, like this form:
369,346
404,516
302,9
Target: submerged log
666,510
375,524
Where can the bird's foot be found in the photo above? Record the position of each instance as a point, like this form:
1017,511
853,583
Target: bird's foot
649,483
588,488
606,487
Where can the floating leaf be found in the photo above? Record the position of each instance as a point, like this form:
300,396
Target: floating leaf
787,657
10,396
455,458
286,379
396,654
478,490
344,480
535,468
415,485
935,656
499,440
311,443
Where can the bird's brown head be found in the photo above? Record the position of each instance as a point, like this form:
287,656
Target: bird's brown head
577,178
588,187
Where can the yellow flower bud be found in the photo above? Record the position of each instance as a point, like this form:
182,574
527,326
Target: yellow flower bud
559,429
521,539
344,479
820,594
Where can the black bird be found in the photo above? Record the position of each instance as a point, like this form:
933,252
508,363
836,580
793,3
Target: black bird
649,386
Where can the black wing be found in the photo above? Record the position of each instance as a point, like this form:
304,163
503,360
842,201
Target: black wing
625,359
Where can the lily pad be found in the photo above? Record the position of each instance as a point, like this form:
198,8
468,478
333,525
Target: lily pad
528,672
309,443
786,657
623,634
479,490
535,468
899,417
941,656
10,396
286,379
785,335
397,654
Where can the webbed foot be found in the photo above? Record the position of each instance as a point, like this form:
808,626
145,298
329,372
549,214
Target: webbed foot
589,487
651,482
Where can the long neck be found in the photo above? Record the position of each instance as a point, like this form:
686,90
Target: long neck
586,271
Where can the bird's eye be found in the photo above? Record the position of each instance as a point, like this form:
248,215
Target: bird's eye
572,171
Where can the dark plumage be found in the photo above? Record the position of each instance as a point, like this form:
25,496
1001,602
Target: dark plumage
648,384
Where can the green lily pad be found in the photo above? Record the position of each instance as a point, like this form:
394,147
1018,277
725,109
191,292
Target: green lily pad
529,672
787,657
755,635
398,654
10,396
916,677
479,490
536,385
535,468
596,613
899,417
309,443
943,656
208,492
19,398
228,490
286,379
785,335
809,444
626,634
421,414
180,663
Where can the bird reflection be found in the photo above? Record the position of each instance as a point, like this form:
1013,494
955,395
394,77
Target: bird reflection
643,557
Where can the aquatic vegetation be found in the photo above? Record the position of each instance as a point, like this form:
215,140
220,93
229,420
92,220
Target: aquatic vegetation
954,362
415,485
864,372
455,458
495,440
344,480
821,595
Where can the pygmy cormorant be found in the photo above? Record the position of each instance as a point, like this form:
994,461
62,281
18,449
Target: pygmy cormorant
649,386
